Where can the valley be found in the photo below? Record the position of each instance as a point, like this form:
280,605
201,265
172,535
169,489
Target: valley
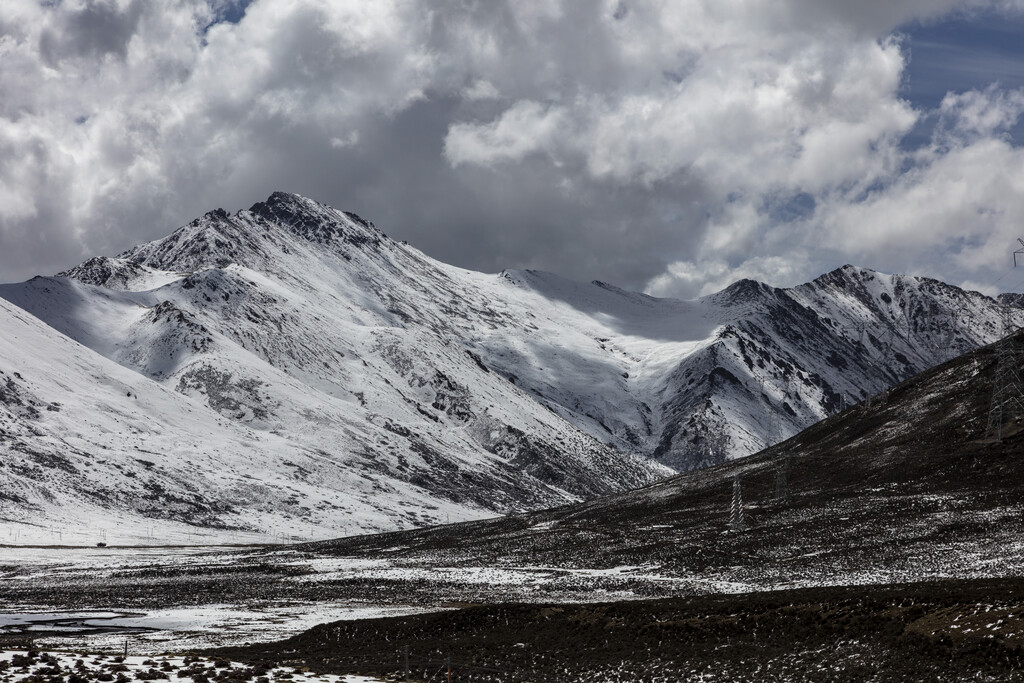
289,373
280,438
894,547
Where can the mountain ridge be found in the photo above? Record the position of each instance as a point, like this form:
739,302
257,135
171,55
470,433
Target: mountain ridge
907,490
491,393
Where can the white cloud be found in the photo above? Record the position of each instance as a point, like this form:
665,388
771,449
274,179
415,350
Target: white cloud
481,90
978,114
984,288
957,210
962,205
689,279
524,128
676,143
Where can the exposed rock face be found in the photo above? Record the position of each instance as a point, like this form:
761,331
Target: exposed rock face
408,392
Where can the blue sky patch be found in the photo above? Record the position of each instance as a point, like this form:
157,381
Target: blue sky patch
963,52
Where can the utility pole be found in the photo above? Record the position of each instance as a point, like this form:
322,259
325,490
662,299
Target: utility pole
771,435
862,327
944,326
891,335
771,425
1007,387
736,521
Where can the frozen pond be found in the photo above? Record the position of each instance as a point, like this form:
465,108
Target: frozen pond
85,622
181,628
174,615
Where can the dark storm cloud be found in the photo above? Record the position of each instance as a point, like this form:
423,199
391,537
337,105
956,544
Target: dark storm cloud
674,146
97,29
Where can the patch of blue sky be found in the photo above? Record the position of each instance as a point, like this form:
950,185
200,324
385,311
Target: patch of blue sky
233,11
228,11
789,209
960,53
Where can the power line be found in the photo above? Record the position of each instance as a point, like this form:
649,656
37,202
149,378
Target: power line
1007,388
891,334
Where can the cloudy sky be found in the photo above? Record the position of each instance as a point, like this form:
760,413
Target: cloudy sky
666,145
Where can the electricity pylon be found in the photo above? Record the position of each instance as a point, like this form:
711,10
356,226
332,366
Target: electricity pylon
943,327
736,521
773,425
1007,388
768,436
892,334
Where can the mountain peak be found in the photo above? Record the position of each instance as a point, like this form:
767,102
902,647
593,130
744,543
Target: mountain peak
103,271
255,238
347,354
314,221
845,275
742,292
280,203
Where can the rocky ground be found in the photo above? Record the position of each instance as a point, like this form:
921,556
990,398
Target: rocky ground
951,631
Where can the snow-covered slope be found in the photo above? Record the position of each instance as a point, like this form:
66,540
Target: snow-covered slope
93,450
317,351
442,392
691,383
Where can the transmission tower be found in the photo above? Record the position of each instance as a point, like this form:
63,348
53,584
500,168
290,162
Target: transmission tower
736,522
771,432
862,328
768,437
1007,388
892,333
773,425
942,327
781,482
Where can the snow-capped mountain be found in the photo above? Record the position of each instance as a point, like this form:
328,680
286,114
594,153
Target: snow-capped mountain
348,383
912,491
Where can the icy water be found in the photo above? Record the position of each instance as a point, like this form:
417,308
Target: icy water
82,623
179,628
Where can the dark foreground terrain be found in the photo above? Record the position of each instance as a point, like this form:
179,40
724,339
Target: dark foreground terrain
946,630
